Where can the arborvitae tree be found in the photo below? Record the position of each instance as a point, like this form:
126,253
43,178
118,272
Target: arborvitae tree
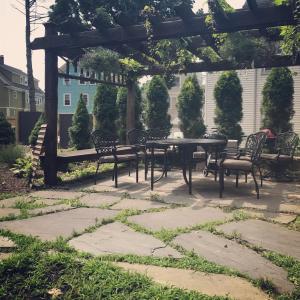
189,105
229,113
7,135
157,104
35,131
122,110
278,100
105,110
80,130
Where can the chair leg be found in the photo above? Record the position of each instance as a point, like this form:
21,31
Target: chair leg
221,182
116,174
216,175
97,169
237,180
146,167
261,177
129,166
137,171
256,185
246,177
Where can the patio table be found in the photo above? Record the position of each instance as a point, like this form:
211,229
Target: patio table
186,148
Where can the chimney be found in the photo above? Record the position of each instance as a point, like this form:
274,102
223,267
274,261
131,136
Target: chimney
1,59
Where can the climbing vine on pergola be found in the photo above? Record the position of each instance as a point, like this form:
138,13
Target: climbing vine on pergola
164,40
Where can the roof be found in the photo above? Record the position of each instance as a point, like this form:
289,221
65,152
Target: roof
7,81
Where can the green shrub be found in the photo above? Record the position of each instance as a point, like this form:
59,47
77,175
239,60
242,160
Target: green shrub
278,100
157,105
228,96
80,130
23,167
10,153
7,135
189,105
35,131
105,110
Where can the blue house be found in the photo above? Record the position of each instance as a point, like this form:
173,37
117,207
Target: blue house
69,90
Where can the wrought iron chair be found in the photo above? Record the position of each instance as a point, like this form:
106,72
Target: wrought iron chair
109,152
285,146
246,161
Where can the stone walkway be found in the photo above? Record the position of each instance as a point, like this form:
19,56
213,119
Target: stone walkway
130,219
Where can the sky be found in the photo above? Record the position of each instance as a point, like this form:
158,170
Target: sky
12,35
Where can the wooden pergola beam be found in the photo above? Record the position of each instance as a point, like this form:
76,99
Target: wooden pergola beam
239,20
252,4
271,62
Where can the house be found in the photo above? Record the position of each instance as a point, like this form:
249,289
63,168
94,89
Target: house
14,93
69,90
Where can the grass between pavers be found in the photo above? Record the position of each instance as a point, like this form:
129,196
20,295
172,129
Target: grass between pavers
5,195
39,269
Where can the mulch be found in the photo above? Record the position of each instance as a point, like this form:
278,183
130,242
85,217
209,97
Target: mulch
10,183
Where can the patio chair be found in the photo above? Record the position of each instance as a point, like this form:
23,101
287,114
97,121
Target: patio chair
246,161
109,152
285,146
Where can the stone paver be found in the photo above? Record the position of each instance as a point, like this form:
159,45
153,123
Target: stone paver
65,223
117,238
57,194
49,209
99,199
7,212
179,217
267,235
11,202
205,283
233,255
138,204
6,243
5,255
272,216
47,202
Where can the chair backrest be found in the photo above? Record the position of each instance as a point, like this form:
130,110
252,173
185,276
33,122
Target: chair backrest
104,145
137,137
254,145
157,134
286,143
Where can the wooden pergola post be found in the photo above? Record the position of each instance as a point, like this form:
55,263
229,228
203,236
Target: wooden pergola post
51,102
130,108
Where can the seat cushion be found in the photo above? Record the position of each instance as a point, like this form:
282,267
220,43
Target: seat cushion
237,164
274,157
121,158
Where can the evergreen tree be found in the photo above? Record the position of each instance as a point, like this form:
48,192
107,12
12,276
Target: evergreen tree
189,105
7,135
157,105
278,100
122,110
80,130
105,110
228,96
35,131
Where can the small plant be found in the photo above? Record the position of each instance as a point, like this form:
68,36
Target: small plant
23,167
10,153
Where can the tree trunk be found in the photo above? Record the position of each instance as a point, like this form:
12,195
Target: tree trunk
32,105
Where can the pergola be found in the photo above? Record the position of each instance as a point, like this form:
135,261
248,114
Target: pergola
131,40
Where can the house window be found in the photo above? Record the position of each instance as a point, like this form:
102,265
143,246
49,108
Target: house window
14,95
176,81
85,98
93,75
67,81
81,74
266,71
67,99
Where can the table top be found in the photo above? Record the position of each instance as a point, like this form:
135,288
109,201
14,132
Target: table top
185,142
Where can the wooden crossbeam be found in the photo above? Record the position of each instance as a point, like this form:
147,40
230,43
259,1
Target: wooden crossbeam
238,20
121,82
252,4
271,62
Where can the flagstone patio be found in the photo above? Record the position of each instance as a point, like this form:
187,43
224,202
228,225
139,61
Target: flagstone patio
135,215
